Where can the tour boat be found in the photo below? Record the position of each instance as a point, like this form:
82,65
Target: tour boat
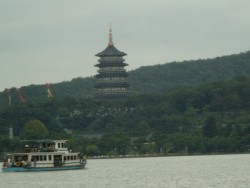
44,155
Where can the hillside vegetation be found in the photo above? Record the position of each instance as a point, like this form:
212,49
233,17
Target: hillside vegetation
201,110
149,79
209,118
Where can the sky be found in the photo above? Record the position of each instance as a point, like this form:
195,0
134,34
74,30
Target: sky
51,41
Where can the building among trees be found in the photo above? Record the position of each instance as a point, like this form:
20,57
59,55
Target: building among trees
111,80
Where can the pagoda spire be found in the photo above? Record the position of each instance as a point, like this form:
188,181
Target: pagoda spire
110,36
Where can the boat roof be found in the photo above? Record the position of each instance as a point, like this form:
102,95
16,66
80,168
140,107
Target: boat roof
44,153
44,140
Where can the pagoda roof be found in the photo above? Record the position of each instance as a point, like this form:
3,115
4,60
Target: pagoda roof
111,51
114,64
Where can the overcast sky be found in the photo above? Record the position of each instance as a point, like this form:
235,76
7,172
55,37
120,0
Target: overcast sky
56,40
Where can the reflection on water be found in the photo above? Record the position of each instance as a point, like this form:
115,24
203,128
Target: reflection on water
183,171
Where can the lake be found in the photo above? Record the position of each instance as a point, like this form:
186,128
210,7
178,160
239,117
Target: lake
223,171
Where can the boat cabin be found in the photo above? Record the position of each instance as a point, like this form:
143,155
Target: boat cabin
45,153
45,146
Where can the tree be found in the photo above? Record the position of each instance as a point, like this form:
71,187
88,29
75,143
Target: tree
141,128
116,142
210,130
34,129
92,150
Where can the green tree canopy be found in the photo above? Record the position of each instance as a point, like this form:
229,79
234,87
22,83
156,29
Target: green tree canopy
92,150
34,129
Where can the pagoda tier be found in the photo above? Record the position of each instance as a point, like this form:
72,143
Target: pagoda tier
112,84
110,71
111,80
108,64
110,76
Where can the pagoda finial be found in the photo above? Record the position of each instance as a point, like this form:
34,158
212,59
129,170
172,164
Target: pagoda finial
110,36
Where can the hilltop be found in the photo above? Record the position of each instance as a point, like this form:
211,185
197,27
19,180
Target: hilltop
150,79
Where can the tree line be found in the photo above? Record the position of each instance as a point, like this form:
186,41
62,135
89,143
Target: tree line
210,118
147,79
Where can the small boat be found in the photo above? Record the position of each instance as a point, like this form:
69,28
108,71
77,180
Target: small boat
44,155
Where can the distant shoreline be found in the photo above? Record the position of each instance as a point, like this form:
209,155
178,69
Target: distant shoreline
156,155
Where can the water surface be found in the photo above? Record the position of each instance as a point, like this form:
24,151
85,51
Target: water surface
222,171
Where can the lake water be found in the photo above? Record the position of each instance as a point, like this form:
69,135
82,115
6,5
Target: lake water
223,171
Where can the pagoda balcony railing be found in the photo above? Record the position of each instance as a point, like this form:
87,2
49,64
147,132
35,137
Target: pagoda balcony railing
111,95
112,81
111,59
113,89
108,75
111,70
111,64
111,86
112,92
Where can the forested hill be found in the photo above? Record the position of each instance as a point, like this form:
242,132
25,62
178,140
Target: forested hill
160,78
147,79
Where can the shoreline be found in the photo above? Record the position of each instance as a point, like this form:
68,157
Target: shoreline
157,155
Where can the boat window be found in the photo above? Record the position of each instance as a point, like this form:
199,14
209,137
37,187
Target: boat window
50,158
74,157
71,157
68,158
40,158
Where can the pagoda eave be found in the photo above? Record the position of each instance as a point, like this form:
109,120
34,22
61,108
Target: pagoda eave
110,84
108,75
111,64
110,51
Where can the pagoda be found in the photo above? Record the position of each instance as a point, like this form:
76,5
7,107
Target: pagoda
111,80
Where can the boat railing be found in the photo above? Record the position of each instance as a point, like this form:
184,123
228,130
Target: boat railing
46,149
35,149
